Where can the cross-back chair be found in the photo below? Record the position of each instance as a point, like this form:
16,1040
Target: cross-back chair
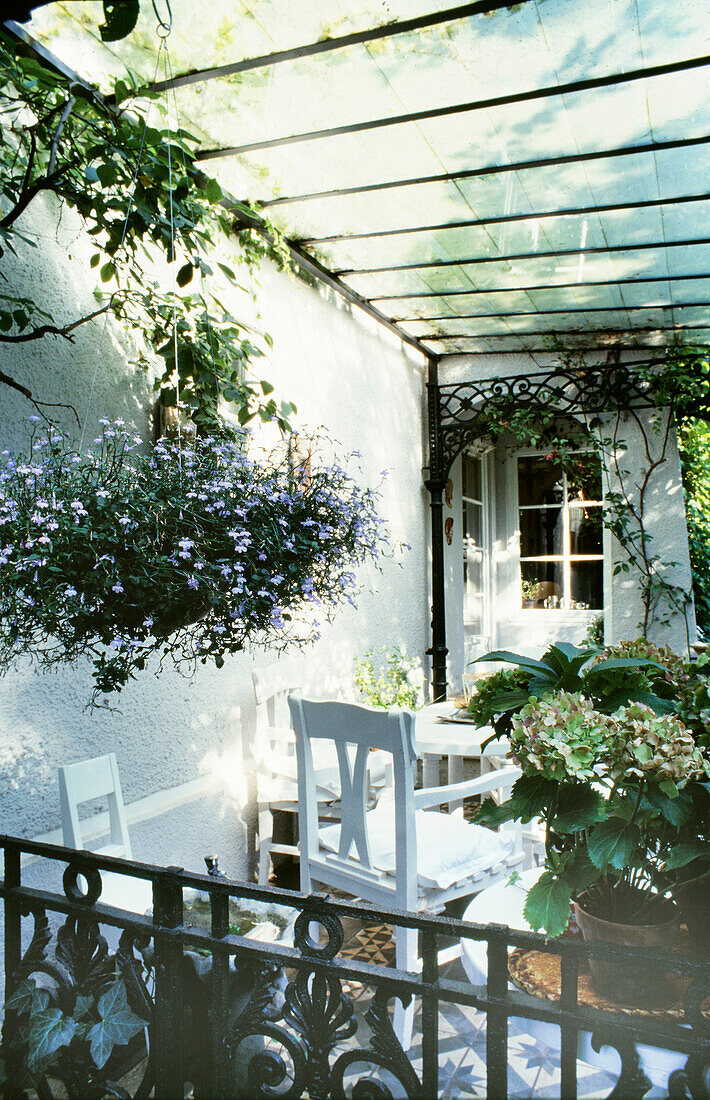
403,854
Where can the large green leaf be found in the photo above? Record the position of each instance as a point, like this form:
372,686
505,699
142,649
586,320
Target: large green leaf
531,794
578,807
683,854
612,843
514,659
118,1024
676,810
50,1029
548,904
493,814
121,17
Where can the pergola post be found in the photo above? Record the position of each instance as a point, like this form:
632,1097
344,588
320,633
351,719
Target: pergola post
435,483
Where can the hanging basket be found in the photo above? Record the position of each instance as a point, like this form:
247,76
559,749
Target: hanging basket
188,551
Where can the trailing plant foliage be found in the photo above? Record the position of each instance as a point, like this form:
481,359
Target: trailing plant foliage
610,678
186,552
50,1038
613,746
679,387
143,200
397,682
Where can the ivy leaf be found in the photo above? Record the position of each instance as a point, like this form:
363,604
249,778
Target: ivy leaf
548,904
21,999
118,1024
612,843
50,1029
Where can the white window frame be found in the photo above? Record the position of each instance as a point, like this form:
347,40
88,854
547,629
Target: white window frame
484,637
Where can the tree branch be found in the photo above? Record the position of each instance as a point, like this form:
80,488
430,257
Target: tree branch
6,380
54,330
58,133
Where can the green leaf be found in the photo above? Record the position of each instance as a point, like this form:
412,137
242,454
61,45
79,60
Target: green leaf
121,17
531,794
683,854
117,1026
91,174
578,807
184,275
515,659
49,1030
107,271
21,999
95,260
612,843
213,192
266,387
548,905
493,814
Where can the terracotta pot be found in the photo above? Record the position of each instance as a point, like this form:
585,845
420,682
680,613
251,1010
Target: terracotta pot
625,980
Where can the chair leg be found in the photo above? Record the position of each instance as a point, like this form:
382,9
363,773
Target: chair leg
406,958
266,830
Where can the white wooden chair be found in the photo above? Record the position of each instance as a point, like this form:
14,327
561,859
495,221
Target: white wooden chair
99,779
275,757
396,855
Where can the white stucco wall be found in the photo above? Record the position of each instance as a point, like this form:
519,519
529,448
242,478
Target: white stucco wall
342,371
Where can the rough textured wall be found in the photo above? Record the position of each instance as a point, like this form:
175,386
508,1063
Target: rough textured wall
343,372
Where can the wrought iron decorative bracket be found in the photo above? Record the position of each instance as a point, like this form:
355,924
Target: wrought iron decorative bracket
458,411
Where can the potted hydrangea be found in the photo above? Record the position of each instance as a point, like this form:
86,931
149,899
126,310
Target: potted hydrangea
618,792
185,551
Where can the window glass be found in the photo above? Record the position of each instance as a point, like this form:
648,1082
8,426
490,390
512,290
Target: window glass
540,481
587,585
473,543
561,532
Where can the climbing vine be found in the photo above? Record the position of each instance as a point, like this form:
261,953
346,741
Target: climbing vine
678,389
142,199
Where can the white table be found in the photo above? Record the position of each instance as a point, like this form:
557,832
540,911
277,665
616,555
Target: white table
436,738
503,904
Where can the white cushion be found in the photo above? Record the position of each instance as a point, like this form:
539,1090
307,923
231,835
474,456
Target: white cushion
449,849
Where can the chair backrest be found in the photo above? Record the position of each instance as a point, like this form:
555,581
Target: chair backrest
83,782
272,686
356,730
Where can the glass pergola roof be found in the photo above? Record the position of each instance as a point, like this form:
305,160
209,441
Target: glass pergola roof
487,176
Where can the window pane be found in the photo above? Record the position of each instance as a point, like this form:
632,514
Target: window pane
539,481
472,522
541,532
542,584
473,614
587,586
585,530
584,478
471,478
473,570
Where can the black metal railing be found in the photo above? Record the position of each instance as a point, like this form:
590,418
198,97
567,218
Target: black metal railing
134,1005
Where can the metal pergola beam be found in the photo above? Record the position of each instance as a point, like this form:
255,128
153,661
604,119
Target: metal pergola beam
533,95
493,170
648,331
548,254
328,45
550,312
576,285
506,219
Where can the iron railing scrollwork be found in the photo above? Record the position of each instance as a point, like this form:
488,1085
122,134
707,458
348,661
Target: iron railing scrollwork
235,1017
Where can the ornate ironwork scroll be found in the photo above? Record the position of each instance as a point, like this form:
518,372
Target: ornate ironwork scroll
460,409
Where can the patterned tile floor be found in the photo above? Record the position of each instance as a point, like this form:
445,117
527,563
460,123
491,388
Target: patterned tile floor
533,1067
